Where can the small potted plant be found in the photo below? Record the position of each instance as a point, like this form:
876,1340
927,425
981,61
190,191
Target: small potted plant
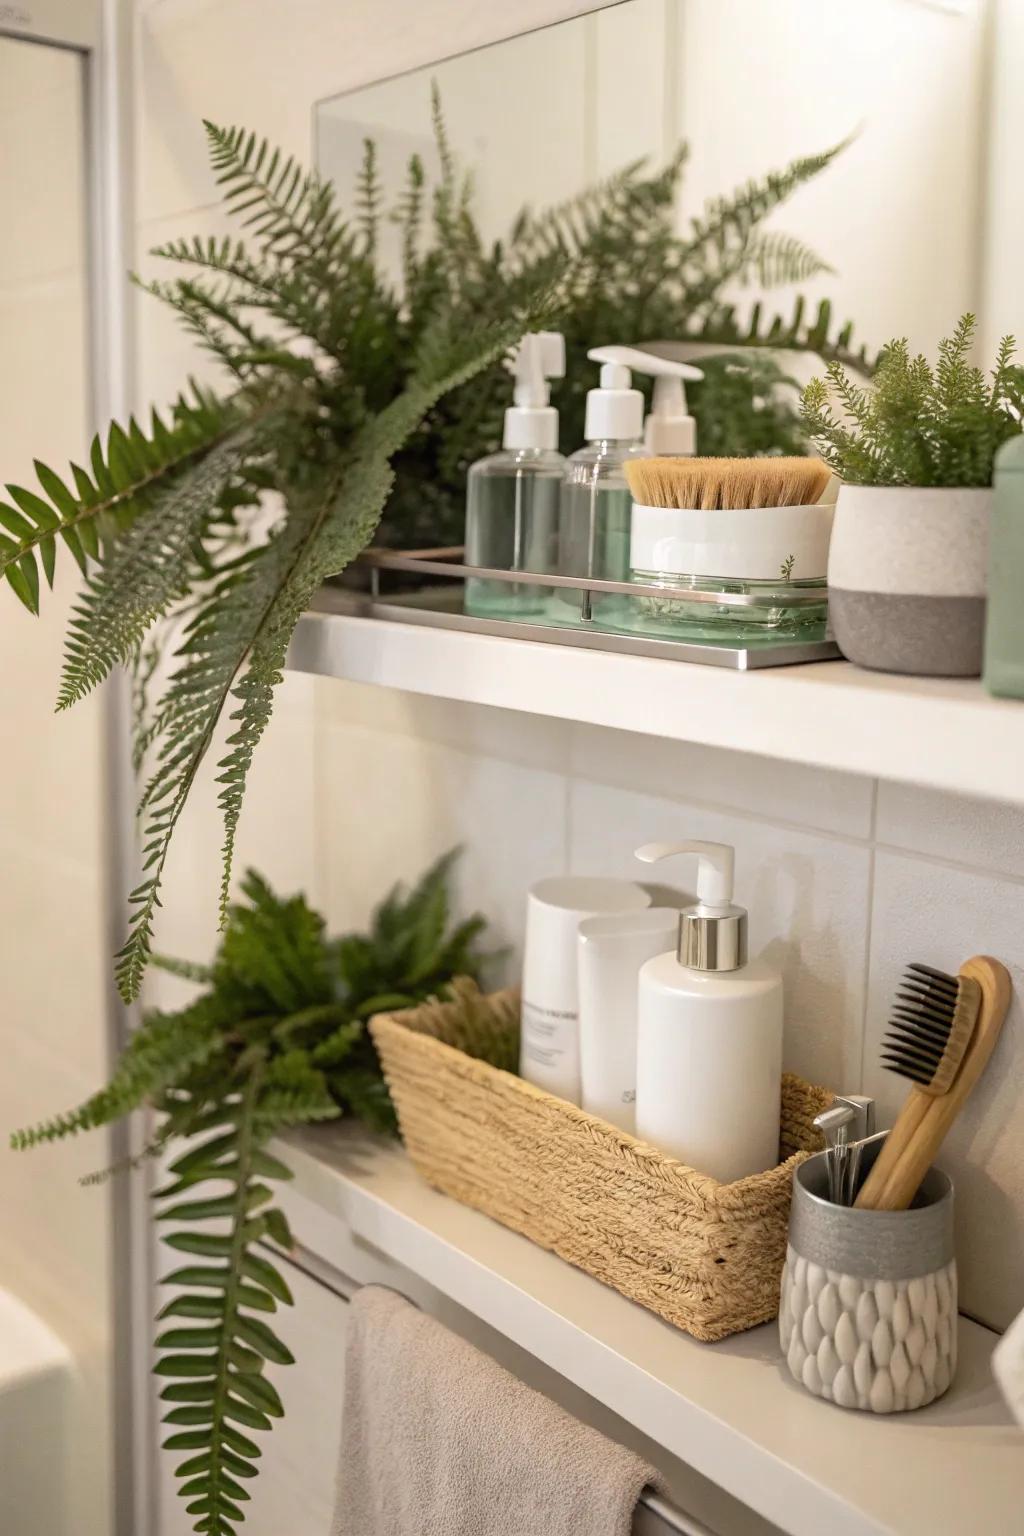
908,564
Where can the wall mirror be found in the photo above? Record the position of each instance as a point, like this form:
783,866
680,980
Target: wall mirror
898,234
899,215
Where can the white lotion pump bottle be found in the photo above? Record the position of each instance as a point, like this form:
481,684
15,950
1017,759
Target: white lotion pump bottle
709,1033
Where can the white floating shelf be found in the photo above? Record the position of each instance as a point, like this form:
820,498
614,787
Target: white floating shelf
943,733
728,1410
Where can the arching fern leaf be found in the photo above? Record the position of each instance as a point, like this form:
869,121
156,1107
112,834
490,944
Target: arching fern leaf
276,1038
125,477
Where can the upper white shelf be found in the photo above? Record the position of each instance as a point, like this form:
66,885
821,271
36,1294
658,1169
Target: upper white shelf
943,733
729,1410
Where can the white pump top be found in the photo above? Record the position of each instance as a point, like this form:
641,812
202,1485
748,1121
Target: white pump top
615,410
713,934
668,430
715,862
531,422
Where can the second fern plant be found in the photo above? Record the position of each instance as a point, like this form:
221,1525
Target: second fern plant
275,1038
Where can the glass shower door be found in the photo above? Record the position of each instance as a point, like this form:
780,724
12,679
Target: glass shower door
55,1237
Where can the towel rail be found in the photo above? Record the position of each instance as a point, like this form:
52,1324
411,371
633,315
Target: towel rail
670,1516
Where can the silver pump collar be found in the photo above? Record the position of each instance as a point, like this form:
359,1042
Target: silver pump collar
713,938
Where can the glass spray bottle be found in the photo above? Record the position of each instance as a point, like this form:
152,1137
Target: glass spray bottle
512,497
595,507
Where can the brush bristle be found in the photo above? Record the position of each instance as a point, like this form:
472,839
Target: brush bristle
930,1026
712,484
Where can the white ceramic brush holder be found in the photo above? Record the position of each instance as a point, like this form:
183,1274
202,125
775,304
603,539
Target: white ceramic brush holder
762,544
868,1314
764,554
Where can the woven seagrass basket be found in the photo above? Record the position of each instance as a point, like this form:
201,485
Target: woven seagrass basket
705,1256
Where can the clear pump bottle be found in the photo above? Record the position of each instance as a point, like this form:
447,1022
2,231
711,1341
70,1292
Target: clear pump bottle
512,497
594,515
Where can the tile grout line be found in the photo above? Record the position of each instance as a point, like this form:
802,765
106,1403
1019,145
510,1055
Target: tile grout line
723,808
868,842
956,865
869,915
321,861
569,777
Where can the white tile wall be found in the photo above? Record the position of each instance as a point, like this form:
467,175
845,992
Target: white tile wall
941,916
806,895
953,828
679,770
392,802
842,912
355,788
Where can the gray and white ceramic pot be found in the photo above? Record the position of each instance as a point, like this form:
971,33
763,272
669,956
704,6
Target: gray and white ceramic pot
908,576
868,1313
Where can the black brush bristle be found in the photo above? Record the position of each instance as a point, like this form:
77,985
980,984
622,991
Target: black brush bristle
920,1023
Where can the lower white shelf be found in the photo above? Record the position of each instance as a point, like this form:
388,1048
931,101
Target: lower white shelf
942,732
729,1410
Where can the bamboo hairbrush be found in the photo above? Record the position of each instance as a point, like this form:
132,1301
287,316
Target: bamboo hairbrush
941,1035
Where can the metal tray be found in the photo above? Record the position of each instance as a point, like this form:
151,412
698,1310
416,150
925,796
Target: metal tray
440,605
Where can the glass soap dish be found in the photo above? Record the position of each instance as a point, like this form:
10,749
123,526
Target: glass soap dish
749,609
764,562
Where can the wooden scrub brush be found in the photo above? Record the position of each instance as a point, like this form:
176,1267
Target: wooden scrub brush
710,484
942,1032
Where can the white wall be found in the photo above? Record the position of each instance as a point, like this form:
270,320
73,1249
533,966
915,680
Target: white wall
898,214
1003,292
54,1236
750,87
355,787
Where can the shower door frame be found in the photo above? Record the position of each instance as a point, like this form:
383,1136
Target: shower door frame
100,33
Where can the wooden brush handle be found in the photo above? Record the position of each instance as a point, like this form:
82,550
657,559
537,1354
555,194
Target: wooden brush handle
916,1155
908,1123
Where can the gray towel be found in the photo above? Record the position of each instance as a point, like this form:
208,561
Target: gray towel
439,1440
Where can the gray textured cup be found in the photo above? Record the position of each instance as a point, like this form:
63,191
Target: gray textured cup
868,1314
908,576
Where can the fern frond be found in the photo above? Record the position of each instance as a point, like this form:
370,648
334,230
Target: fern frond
215,645
729,222
148,569
331,532
127,474
290,212
773,258
294,1092
369,198
409,216
215,1365
722,327
186,970
163,1048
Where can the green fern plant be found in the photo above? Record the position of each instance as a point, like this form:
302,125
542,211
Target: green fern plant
347,394
635,277
917,424
165,520
275,1038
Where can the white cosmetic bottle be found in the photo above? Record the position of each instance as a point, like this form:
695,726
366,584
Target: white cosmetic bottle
709,1033
612,948
549,1047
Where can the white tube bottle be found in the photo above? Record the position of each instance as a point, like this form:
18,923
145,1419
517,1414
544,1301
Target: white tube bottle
612,948
549,1047
709,1033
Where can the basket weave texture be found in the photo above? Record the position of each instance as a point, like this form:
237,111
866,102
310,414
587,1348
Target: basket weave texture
705,1256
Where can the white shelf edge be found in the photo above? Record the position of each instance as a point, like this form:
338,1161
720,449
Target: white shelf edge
728,1410
936,732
